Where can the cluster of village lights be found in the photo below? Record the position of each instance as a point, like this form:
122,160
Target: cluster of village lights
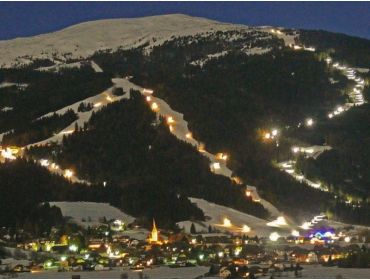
271,134
67,173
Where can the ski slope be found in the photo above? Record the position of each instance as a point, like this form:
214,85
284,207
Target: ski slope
90,213
215,215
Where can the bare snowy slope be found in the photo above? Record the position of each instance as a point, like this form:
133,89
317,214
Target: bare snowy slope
82,40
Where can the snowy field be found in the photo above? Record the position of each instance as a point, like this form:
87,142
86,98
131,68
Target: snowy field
91,212
319,272
162,272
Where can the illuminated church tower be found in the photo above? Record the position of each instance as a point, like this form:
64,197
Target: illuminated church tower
154,234
154,237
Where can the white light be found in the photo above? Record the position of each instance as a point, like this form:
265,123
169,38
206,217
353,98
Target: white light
340,109
96,105
73,248
306,225
330,115
189,135
309,122
309,151
227,222
147,91
280,221
295,233
347,239
216,165
246,228
44,162
295,149
274,236
274,132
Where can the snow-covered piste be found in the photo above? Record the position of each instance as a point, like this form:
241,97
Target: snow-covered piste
229,220
91,213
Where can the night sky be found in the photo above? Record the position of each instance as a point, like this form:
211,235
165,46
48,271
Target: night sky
20,19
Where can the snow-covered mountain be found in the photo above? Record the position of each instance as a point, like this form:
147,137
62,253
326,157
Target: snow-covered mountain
84,39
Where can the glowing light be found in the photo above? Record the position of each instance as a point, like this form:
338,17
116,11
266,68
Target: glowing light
63,258
68,173
67,131
109,99
98,104
170,120
246,229
248,193
340,109
309,122
330,115
220,254
7,153
171,128
73,248
347,239
306,225
227,222
295,149
154,106
147,91
148,98
295,233
216,166
44,162
267,135
280,221
274,236
274,132
201,148
222,156
189,135
54,166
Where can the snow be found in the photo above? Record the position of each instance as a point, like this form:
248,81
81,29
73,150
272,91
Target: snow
361,70
256,51
215,215
57,67
96,67
319,272
202,62
6,109
99,101
93,210
8,84
82,40
162,272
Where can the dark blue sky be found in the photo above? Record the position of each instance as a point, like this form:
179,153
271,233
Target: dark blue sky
19,19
